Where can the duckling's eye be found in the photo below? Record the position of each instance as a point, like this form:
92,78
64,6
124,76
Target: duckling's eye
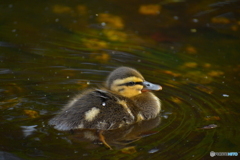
131,83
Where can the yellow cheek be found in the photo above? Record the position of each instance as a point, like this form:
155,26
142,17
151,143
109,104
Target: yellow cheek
129,91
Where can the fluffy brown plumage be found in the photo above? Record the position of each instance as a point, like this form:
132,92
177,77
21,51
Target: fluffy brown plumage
122,102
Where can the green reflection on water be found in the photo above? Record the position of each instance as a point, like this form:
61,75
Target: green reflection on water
45,61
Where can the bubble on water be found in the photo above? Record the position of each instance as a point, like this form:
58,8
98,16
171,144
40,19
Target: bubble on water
153,150
195,20
225,95
165,116
175,17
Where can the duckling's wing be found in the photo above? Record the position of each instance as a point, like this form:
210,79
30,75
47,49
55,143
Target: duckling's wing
98,109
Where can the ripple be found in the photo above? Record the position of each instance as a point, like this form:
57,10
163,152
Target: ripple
192,106
5,71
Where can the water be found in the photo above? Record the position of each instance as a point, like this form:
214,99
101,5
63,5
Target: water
50,51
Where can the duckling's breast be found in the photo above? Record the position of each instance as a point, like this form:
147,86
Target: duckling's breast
148,104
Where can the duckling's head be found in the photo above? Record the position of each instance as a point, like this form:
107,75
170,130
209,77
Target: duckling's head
129,82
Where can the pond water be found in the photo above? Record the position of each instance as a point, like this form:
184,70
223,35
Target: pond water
51,50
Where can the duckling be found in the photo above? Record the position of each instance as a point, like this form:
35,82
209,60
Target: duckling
123,101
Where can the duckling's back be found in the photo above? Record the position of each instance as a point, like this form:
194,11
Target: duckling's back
97,109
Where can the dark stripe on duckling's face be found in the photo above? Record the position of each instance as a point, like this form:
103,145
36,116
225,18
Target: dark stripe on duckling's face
131,84
128,87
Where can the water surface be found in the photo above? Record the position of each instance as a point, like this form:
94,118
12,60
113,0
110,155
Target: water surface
50,51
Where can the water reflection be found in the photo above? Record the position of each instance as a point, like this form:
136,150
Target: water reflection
122,137
53,50
28,130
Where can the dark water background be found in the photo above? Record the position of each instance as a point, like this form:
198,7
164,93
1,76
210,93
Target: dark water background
51,50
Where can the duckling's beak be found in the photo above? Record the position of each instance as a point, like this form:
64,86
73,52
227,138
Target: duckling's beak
150,86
